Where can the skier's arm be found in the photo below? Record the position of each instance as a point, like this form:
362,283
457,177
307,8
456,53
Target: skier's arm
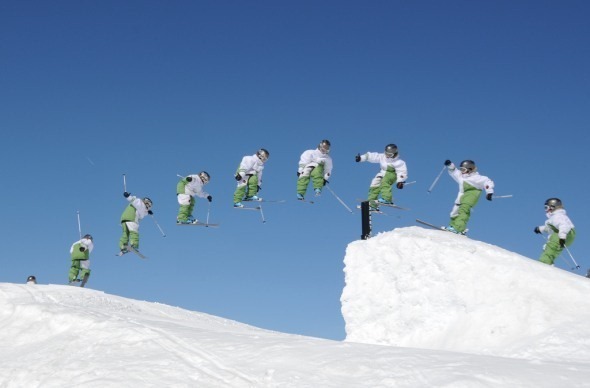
401,170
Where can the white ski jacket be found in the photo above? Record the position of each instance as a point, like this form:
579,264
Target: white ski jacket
396,163
85,242
560,221
195,187
313,158
251,165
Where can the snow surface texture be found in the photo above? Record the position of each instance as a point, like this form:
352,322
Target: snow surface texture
410,287
436,290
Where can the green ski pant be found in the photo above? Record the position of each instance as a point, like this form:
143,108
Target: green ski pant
78,267
462,211
247,189
186,211
129,237
316,176
382,185
552,248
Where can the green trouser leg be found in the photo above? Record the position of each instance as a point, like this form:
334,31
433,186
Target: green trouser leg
553,249
124,240
186,211
316,176
84,272
247,190
468,200
74,270
128,237
383,188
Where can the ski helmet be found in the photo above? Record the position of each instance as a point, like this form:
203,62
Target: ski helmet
324,146
552,204
89,237
391,150
32,279
147,202
263,154
467,166
205,178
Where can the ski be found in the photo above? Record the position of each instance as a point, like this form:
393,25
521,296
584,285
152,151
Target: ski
384,204
441,228
306,201
247,208
131,249
265,200
373,211
198,223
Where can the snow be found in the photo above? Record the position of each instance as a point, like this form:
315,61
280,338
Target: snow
423,308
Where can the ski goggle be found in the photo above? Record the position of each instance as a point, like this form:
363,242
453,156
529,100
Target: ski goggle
324,148
549,207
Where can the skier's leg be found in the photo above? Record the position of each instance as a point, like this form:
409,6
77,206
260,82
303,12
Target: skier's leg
240,192
317,177
184,211
124,237
85,272
133,228
74,270
252,185
552,250
304,178
385,186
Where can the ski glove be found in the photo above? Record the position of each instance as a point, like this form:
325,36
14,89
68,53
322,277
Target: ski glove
562,242
151,213
357,158
489,196
189,179
126,194
400,185
325,182
448,162
298,173
82,249
238,177
537,230
259,188
209,198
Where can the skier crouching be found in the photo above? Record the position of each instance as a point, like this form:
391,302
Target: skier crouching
560,228
186,190
133,213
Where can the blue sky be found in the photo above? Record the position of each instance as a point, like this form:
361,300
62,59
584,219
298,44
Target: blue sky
90,91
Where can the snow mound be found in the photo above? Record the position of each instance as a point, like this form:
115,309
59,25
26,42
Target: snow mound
430,289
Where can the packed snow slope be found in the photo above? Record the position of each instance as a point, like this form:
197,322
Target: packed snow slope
62,336
430,289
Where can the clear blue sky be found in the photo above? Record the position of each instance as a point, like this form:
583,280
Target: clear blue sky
90,90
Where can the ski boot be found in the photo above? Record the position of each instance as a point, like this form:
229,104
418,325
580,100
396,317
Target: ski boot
238,204
300,197
385,202
317,192
253,198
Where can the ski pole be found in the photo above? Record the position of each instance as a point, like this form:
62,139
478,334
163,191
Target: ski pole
158,225
262,214
79,227
572,257
124,183
409,183
208,211
338,198
436,180
502,196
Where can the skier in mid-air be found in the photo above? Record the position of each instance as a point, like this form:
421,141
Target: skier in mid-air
80,255
471,185
186,190
249,177
393,171
560,229
137,209
315,165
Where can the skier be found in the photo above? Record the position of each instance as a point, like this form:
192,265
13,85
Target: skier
249,177
31,280
393,170
133,213
471,184
560,229
186,190
314,165
80,255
